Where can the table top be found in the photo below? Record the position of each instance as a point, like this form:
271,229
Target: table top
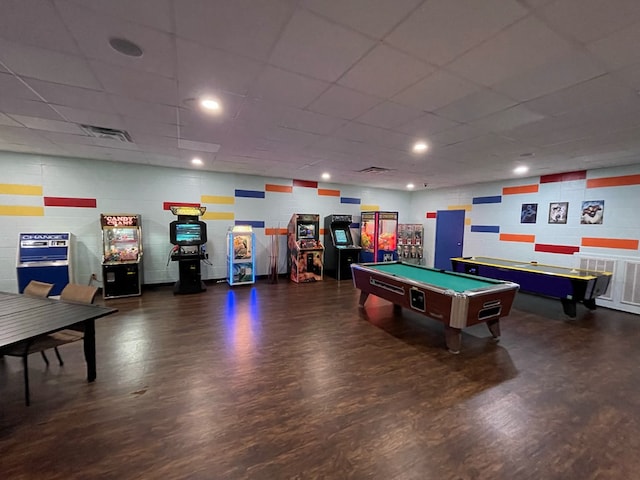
533,267
23,317
458,282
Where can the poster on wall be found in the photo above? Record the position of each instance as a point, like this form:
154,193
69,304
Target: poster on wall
592,212
529,213
558,212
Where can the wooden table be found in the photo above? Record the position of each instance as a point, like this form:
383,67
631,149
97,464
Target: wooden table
24,318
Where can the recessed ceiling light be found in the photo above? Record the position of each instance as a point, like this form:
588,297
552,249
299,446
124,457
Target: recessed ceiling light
326,176
420,147
125,47
210,104
521,169
196,161
410,186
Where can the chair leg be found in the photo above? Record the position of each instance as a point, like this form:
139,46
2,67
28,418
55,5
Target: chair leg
27,398
44,357
55,349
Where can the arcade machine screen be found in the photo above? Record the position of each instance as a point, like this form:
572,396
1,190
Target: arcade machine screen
188,234
341,237
306,232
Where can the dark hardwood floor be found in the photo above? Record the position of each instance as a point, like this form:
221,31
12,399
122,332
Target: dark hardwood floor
288,381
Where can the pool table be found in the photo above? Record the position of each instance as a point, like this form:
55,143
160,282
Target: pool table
570,285
457,300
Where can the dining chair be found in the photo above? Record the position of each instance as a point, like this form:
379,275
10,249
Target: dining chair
71,293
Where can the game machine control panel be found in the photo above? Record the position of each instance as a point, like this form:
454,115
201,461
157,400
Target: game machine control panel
305,252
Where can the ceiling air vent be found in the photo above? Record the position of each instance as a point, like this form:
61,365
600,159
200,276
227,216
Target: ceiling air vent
107,133
374,170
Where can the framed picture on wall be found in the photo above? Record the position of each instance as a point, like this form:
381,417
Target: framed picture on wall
558,212
529,213
592,212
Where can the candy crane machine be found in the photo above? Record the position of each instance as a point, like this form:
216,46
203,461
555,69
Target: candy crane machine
305,251
122,255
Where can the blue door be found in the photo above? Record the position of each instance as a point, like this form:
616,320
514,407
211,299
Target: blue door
449,237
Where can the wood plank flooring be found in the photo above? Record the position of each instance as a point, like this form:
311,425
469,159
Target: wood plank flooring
294,381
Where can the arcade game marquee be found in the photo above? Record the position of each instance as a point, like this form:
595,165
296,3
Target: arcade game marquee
122,255
305,251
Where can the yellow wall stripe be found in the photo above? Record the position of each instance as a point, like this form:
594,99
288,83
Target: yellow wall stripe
467,221
369,208
217,199
15,189
21,211
466,208
218,216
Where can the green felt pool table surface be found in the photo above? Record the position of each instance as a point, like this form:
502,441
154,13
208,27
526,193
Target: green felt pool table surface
446,280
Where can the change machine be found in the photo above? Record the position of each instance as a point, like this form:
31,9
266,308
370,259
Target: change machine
340,251
305,253
122,255
241,261
188,234
379,237
45,257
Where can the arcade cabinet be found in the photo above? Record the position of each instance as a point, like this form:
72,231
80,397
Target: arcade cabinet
121,255
340,251
189,235
45,257
379,237
241,263
305,253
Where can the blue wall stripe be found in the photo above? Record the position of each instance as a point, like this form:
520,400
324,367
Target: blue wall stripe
253,223
249,193
355,225
355,201
496,199
485,228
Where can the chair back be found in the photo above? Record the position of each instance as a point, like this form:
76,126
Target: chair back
38,289
78,293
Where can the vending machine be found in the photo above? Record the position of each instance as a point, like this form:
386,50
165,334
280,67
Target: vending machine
122,255
305,253
45,257
241,260
410,245
379,237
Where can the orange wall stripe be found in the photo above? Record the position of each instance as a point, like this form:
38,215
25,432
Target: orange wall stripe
623,243
275,231
278,188
517,237
328,193
15,189
466,208
20,211
520,189
614,181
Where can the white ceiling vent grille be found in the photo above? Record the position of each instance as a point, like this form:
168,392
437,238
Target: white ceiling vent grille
107,133
375,170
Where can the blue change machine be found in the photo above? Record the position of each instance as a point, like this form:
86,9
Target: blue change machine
45,257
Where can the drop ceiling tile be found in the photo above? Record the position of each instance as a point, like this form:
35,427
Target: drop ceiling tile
66,139
456,134
136,84
474,106
441,30
435,91
143,110
589,20
246,27
204,70
619,49
310,121
392,70
8,121
389,115
19,106
508,119
344,103
47,65
150,13
36,123
523,46
11,86
555,75
87,117
426,125
137,127
92,31
313,46
292,89
371,17
70,96
46,29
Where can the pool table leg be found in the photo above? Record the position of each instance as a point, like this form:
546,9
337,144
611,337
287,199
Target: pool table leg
453,338
494,328
363,298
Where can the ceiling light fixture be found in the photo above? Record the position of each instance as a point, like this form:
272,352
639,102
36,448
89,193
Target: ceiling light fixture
410,186
420,147
196,161
210,104
521,169
326,176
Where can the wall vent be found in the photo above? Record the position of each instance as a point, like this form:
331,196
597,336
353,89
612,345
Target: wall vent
631,284
374,170
107,133
600,265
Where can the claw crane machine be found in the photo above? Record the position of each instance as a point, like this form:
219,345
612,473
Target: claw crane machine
379,237
122,255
